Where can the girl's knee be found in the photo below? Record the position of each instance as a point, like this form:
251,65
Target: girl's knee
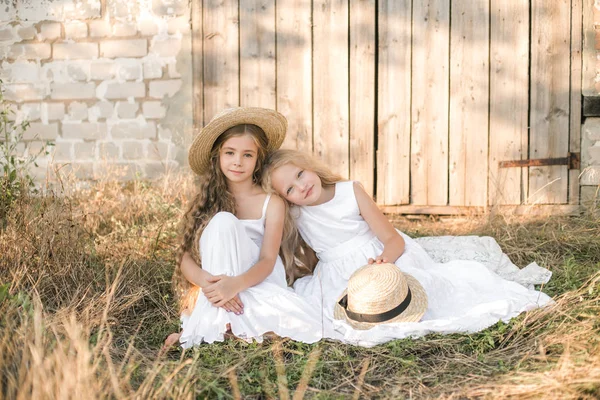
222,223
223,219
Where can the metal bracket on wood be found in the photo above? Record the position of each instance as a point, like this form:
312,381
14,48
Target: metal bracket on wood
572,161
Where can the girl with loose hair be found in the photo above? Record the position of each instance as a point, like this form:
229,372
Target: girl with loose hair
230,277
349,233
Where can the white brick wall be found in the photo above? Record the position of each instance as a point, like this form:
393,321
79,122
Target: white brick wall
160,89
20,92
154,109
74,51
100,29
127,109
50,30
123,90
68,91
84,130
76,30
134,130
26,32
97,78
33,51
40,131
124,48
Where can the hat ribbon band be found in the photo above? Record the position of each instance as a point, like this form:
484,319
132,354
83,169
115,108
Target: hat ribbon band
382,317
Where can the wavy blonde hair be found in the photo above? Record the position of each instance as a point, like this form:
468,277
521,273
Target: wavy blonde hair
298,257
213,196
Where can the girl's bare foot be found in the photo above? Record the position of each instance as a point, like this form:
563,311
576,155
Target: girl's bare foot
270,336
228,333
170,341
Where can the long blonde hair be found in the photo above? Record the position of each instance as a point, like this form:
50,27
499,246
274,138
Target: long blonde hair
298,258
213,196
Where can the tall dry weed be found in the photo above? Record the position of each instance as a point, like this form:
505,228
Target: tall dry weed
84,275
563,344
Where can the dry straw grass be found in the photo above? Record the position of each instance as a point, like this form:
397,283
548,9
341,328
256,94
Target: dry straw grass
86,300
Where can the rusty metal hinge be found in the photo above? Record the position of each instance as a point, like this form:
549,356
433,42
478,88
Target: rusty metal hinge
572,161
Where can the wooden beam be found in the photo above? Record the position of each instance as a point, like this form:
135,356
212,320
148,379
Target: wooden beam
550,99
430,102
294,72
330,80
393,95
505,209
509,59
576,81
221,56
362,92
257,53
469,101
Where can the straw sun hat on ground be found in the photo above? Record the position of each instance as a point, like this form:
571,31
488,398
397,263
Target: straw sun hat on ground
380,294
270,121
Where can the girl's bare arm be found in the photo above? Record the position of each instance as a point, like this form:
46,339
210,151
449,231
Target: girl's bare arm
270,245
393,243
199,277
192,271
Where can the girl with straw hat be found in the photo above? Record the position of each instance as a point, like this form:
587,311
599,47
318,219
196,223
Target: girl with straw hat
231,237
401,291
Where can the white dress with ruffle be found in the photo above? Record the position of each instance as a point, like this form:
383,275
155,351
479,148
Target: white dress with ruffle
231,246
464,295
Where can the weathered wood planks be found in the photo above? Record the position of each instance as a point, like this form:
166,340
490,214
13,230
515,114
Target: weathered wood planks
394,100
362,92
509,58
430,85
576,93
419,101
330,84
469,85
294,71
221,56
549,99
257,53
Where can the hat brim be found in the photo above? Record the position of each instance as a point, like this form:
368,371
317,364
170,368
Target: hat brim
270,121
413,313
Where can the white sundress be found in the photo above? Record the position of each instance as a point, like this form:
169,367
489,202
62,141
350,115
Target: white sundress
463,295
231,246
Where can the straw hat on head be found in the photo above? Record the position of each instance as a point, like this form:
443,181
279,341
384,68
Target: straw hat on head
380,294
270,121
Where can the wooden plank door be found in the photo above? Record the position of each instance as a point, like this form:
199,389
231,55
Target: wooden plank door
294,72
429,115
549,101
221,51
330,84
509,100
257,53
394,102
418,100
469,94
362,92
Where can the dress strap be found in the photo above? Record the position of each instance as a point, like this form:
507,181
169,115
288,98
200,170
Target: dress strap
264,209
345,189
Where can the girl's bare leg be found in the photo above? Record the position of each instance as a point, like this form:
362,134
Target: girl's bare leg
173,339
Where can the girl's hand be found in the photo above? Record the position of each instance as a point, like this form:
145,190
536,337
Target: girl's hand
221,289
378,260
234,305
